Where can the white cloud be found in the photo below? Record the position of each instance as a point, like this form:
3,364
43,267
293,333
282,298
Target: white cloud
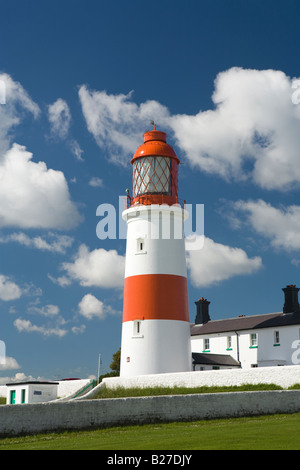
62,281
56,243
76,150
8,289
116,123
9,363
252,132
28,327
279,225
216,262
78,330
33,196
47,310
96,182
90,307
17,102
59,117
98,268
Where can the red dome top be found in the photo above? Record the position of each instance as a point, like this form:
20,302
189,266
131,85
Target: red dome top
155,144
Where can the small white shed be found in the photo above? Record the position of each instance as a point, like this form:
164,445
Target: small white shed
31,392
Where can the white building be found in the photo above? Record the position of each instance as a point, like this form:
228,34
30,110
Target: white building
31,392
246,341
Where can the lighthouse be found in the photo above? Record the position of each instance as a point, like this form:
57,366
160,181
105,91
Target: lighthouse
156,327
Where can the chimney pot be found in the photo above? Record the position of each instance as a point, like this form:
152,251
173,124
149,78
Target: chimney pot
202,311
291,303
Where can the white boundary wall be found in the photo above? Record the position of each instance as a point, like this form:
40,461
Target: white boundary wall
92,414
285,377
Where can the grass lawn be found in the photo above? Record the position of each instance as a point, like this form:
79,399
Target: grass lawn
276,432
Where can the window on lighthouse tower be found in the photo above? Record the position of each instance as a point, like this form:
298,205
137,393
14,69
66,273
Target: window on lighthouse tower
140,248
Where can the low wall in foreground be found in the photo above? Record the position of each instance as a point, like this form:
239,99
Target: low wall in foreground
89,414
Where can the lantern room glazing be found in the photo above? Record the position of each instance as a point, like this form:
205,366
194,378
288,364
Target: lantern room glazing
155,171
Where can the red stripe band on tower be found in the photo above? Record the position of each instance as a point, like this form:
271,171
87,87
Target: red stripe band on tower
155,297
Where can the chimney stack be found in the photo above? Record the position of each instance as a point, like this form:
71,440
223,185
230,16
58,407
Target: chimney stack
202,311
291,303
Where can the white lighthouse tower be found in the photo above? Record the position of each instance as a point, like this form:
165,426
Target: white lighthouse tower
156,327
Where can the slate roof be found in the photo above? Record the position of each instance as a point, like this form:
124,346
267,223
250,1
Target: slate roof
215,359
270,320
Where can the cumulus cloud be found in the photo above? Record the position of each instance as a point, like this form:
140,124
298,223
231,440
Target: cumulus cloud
59,116
96,182
17,103
33,196
55,243
216,262
62,281
280,225
9,363
46,310
8,289
100,268
116,122
26,326
91,307
251,134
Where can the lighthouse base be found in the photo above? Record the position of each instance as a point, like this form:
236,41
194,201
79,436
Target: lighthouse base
155,347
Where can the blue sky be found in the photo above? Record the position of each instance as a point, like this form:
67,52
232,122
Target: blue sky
82,82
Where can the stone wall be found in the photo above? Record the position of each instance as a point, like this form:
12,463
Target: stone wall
92,414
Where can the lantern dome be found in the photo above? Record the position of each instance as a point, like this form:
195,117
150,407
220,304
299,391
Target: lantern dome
155,171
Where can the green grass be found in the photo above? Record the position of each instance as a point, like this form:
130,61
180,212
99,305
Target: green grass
276,432
120,392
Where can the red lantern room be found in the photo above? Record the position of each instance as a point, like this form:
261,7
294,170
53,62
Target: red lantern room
155,171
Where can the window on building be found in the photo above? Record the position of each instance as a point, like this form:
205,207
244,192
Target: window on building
229,343
206,344
276,338
253,340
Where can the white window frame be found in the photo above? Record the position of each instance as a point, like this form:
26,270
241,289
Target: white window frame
137,329
276,338
253,340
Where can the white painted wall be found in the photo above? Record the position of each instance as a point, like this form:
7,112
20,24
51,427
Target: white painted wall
35,418
34,393
65,388
162,254
161,345
265,354
283,376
